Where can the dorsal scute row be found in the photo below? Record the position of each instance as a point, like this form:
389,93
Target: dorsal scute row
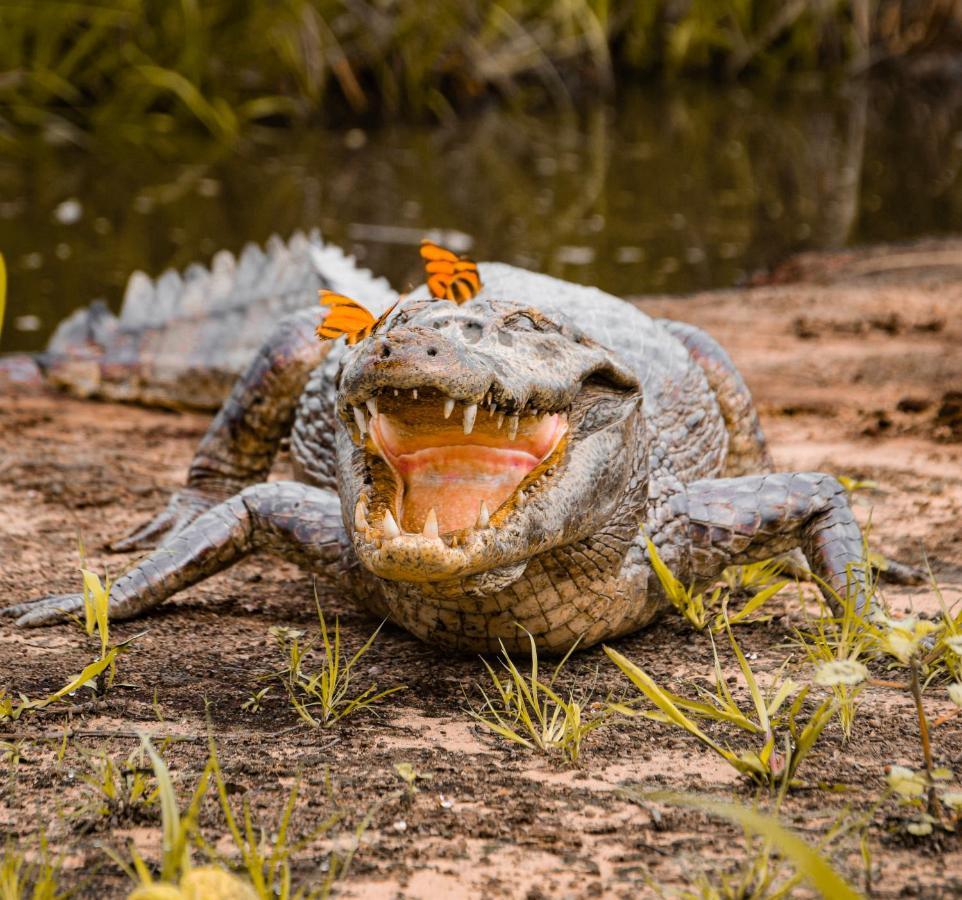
283,274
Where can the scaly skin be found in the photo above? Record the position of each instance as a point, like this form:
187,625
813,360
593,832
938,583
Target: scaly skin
656,418
182,340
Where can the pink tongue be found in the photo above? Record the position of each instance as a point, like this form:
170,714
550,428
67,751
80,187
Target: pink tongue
454,480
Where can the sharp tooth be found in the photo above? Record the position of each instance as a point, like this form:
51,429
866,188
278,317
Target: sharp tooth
360,519
534,413
470,414
500,420
483,517
371,406
389,526
430,529
512,427
448,407
395,392
361,420
414,393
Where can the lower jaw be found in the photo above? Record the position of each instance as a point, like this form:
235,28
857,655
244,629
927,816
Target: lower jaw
463,487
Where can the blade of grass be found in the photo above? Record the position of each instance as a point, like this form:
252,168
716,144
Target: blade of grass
816,869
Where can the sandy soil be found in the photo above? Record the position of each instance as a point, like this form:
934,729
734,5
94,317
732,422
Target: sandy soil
857,367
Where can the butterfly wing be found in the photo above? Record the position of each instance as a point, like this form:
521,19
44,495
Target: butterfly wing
381,319
345,317
450,277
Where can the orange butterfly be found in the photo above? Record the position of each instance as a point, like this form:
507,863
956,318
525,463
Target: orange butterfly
450,277
347,317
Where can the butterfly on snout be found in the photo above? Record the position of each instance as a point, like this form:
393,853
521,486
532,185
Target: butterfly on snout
348,318
450,277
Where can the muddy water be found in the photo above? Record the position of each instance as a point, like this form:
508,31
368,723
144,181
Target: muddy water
664,192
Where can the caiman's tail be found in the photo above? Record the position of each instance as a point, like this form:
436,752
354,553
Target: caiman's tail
180,341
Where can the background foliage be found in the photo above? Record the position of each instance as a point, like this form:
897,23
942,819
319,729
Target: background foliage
139,67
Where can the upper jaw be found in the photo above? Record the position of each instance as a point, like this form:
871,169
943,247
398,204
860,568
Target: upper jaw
462,401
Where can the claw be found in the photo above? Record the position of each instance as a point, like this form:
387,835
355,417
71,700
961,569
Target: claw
892,571
44,610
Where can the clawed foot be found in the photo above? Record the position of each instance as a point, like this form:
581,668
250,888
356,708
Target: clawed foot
892,571
183,508
45,610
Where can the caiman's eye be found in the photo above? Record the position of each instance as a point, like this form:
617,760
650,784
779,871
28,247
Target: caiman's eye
523,321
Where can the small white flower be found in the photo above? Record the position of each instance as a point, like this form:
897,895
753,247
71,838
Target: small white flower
907,783
841,671
904,637
953,799
919,828
955,693
955,644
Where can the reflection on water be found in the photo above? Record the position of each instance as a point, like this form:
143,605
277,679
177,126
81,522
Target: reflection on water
667,192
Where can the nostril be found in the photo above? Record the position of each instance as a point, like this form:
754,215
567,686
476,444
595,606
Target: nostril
432,351
385,352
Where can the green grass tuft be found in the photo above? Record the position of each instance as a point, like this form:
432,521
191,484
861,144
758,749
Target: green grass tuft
324,696
530,712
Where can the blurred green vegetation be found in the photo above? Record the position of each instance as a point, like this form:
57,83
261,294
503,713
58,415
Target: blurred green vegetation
668,190
141,69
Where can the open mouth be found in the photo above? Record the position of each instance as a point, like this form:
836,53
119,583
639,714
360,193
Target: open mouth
439,467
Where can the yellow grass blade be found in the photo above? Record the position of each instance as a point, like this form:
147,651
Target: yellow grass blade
88,674
807,861
663,701
672,586
759,701
176,858
756,602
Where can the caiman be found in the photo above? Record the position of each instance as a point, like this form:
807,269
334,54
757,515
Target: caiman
472,471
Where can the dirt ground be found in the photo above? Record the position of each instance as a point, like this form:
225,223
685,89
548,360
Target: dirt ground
856,364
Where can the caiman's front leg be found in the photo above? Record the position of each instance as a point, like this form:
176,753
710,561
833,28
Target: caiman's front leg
286,518
735,521
240,444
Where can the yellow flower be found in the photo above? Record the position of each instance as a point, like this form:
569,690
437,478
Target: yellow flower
210,883
204,883
840,671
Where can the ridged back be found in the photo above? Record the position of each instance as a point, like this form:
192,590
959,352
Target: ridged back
181,339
